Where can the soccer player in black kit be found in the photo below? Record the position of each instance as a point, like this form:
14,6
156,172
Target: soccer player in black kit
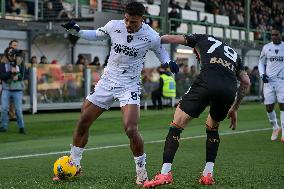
215,86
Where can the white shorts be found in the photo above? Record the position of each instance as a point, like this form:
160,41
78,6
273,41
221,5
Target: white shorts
106,92
273,92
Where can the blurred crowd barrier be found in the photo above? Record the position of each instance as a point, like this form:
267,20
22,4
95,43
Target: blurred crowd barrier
54,86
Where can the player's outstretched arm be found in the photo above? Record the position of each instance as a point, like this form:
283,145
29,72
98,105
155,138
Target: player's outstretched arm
242,91
92,35
175,39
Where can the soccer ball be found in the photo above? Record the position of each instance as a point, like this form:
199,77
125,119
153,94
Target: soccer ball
64,168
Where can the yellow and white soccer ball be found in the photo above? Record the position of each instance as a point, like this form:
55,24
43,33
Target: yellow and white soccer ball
64,168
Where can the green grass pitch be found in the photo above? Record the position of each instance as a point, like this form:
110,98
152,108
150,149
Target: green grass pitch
245,159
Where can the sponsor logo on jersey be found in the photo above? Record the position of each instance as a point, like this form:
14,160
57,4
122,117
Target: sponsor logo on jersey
144,39
276,59
222,62
123,49
117,31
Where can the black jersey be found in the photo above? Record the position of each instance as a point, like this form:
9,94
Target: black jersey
216,85
215,55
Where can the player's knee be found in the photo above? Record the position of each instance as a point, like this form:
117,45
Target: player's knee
212,127
270,108
131,132
211,124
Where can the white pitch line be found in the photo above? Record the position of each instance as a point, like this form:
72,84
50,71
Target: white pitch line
123,145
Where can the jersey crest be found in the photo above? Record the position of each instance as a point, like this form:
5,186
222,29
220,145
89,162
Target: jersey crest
129,38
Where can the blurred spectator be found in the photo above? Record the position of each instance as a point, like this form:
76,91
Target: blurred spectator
93,4
150,2
53,9
187,5
48,10
254,78
12,111
148,20
12,6
81,60
157,94
116,5
43,60
174,14
34,60
166,89
67,11
70,88
31,7
156,26
96,62
205,20
247,70
54,61
12,76
174,4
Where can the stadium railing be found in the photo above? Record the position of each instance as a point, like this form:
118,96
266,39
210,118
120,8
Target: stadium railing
54,86
223,31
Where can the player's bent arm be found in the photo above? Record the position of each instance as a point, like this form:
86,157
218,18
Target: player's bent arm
160,51
242,90
176,39
262,63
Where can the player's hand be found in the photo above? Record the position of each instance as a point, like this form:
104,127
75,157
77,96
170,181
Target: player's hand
173,66
232,114
264,78
71,27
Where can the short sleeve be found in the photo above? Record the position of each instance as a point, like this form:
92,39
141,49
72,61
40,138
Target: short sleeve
240,66
104,32
193,39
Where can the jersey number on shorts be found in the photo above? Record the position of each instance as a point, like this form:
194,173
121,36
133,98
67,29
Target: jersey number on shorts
134,95
228,51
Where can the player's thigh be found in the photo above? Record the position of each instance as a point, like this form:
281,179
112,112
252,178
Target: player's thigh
279,87
220,105
195,100
102,95
128,95
269,93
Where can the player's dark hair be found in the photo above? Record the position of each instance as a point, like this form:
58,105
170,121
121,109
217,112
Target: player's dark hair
135,9
12,41
277,28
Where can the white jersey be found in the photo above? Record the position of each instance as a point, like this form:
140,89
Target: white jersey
128,50
271,60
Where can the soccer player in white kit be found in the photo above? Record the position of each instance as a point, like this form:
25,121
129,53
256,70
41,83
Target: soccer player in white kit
130,41
271,70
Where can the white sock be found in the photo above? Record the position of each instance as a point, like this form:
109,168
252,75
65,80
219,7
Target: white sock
208,168
140,162
76,154
282,121
273,119
166,168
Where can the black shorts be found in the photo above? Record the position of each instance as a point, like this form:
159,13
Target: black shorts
220,97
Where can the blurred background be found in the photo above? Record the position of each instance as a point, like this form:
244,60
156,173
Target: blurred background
62,69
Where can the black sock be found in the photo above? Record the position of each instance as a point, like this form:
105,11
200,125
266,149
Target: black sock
171,144
212,144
